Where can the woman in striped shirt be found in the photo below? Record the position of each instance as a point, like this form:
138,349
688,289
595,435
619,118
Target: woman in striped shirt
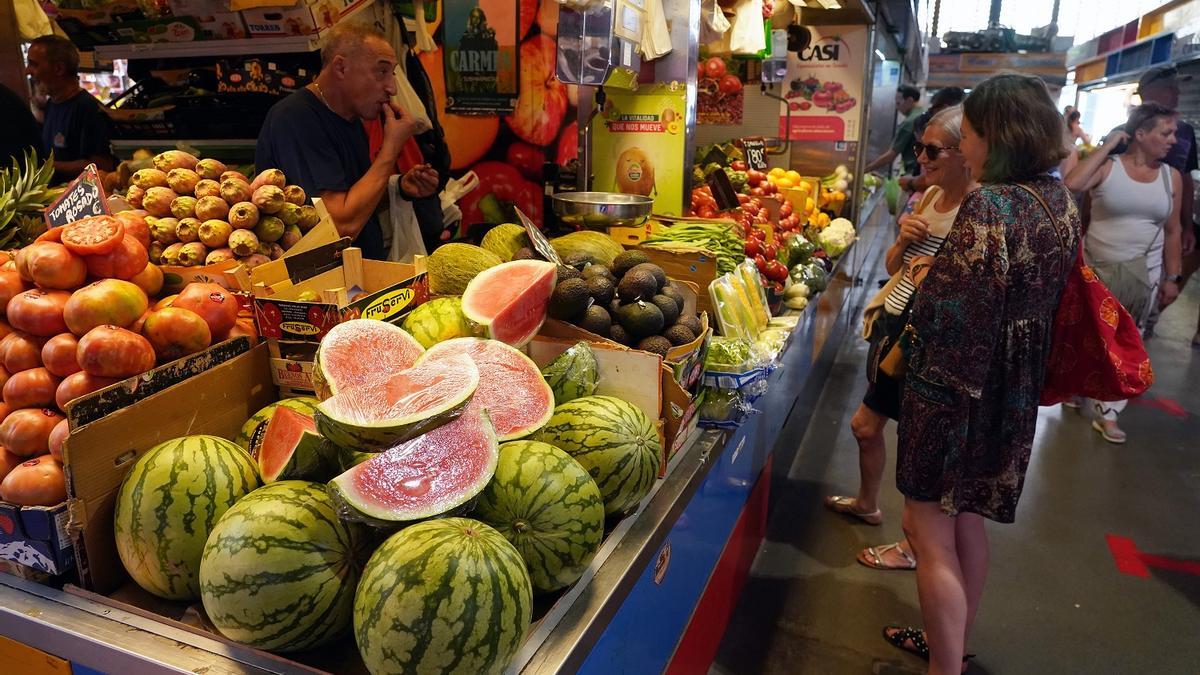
921,235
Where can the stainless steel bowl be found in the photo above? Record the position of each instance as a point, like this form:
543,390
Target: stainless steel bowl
599,210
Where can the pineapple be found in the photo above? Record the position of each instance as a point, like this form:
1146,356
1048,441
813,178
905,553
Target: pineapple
24,194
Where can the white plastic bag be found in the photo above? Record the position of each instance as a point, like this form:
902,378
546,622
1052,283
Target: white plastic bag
32,21
405,230
713,24
748,36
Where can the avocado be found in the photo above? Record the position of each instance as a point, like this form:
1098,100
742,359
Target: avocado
659,275
692,322
671,292
619,335
569,300
592,271
669,309
679,334
577,260
601,289
637,285
655,343
614,306
596,320
567,272
627,260
525,254
641,319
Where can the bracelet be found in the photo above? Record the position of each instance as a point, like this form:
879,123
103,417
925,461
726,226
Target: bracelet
1175,278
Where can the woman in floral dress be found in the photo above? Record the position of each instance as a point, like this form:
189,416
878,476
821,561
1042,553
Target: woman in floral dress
979,338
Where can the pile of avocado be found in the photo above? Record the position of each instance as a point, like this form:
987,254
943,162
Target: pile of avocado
631,302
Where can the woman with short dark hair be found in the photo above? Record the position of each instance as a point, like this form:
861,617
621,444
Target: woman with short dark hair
978,341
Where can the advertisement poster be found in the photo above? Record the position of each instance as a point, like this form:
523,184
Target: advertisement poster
633,149
720,95
481,45
824,86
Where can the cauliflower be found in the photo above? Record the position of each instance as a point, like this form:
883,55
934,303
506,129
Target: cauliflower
836,238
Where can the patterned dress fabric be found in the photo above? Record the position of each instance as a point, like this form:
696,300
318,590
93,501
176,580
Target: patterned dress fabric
980,341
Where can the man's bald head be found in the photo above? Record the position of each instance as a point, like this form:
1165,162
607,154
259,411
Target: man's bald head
358,70
349,40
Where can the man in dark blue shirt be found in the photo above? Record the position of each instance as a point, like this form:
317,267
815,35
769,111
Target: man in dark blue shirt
75,127
316,137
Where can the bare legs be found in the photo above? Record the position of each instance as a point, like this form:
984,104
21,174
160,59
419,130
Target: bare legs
867,427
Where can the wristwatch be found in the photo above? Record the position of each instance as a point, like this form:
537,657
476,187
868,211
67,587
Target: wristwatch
1175,278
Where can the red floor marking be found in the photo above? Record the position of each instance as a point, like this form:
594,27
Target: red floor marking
1135,563
1167,405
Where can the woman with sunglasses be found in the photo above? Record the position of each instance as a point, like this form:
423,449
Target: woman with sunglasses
977,343
921,235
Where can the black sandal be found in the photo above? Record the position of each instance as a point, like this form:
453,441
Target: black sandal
915,638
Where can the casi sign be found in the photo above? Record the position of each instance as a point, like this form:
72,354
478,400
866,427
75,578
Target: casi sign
825,49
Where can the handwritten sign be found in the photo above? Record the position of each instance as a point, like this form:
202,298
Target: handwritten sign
756,153
83,197
538,240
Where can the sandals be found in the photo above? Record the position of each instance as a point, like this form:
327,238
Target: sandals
872,557
1110,431
912,640
845,506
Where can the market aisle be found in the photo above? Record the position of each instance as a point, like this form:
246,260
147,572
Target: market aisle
1055,601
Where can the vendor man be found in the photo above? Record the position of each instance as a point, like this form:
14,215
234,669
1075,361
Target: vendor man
75,128
316,136
907,97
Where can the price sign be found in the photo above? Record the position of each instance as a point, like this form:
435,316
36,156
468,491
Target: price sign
722,190
539,241
756,153
83,197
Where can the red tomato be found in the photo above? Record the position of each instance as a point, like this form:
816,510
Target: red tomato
216,305
761,263
37,482
109,351
758,234
39,312
58,355
714,68
757,192
26,432
123,262
738,165
771,251
776,271
93,236
57,436
752,248
742,199
135,226
79,384
730,84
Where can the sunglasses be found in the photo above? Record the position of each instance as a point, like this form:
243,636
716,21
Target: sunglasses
931,151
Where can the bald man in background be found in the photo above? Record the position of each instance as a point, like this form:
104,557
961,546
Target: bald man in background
316,136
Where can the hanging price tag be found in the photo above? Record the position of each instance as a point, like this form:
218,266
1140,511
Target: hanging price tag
722,190
756,153
83,197
539,241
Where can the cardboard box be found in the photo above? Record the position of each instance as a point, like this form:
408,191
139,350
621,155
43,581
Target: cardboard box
36,537
167,29
303,18
215,18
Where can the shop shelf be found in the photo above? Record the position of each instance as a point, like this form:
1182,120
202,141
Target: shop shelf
166,50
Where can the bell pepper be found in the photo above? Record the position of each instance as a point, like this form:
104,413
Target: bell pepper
501,187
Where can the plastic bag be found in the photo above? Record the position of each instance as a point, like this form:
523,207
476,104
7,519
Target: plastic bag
32,21
891,192
748,37
748,273
734,317
406,239
713,24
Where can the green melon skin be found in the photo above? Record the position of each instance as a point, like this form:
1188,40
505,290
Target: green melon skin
313,458
438,320
443,596
573,374
547,505
169,502
452,266
597,247
505,240
304,404
279,570
614,440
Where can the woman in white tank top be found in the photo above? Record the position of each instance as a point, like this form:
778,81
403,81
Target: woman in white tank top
1135,201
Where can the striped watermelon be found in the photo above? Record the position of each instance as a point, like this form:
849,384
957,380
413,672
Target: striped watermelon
360,351
573,374
438,320
169,502
614,440
548,506
509,301
279,569
443,596
304,404
380,414
289,448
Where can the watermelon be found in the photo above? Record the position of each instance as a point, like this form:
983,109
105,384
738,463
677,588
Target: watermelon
573,374
279,569
443,596
438,320
290,448
360,351
509,300
511,389
169,502
614,440
548,506
380,414
305,404
426,476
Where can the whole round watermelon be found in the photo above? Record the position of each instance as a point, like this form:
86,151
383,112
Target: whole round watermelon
614,440
443,596
279,569
548,506
438,320
169,502
257,422
573,374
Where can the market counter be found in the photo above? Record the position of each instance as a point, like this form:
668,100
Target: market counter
663,585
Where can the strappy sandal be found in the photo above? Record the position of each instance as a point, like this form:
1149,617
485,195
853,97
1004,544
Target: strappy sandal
872,557
912,640
845,506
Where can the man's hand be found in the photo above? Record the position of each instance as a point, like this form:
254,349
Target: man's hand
1114,138
420,181
1167,293
1189,240
398,127
913,227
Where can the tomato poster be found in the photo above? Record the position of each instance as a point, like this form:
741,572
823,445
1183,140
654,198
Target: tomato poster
720,95
824,86
634,147
481,43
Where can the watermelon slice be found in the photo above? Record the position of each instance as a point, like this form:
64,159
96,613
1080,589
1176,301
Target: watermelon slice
511,388
426,476
290,448
360,351
385,412
510,300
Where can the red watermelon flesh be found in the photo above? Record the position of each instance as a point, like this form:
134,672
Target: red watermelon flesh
511,388
426,476
290,448
510,299
360,351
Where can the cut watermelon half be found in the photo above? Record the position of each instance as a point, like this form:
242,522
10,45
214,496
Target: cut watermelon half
511,388
426,476
380,414
360,351
291,449
510,300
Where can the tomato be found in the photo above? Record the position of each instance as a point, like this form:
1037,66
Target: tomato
729,85
37,482
39,312
58,355
757,192
53,265
95,235
771,251
776,271
110,351
108,302
752,248
785,209
11,284
527,158
136,226
8,461
52,235
33,388
150,280
165,302
758,234
738,165
742,199
123,262
244,327
79,384
26,432
57,437
216,305
175,332
714,68
761,263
